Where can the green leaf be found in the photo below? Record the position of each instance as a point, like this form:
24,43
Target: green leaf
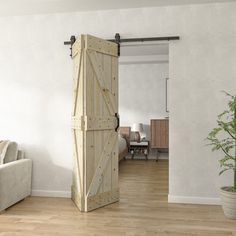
221,172
227,94
225,159
227,128
223,113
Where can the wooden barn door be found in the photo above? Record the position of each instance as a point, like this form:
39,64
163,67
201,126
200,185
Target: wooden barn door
95,122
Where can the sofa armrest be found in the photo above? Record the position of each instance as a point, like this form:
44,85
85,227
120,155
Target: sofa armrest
15,182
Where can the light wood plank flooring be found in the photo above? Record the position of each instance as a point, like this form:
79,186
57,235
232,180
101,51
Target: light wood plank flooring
142,210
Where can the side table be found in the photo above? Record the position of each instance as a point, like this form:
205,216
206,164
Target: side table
139,148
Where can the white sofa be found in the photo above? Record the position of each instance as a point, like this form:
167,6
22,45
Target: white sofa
15,177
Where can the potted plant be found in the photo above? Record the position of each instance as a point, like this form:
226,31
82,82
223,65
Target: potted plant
224,138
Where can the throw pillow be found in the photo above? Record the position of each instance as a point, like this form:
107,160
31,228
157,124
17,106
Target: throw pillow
3,149
11,153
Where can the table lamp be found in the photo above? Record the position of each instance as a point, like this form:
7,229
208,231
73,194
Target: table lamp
138,127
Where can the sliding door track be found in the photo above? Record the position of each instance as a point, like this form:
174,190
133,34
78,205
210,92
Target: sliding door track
120,40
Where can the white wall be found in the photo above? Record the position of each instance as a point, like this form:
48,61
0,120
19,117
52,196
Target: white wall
142,93
36,85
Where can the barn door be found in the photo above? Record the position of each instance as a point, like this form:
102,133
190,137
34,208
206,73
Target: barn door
95,122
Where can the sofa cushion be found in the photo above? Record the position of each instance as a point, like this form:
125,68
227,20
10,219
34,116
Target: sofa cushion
11,153
3,149
20,155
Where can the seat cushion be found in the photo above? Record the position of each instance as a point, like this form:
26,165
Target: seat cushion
11,153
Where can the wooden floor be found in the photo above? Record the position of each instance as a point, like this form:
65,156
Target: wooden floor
142,210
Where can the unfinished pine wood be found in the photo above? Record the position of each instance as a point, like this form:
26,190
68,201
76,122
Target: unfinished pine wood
142,210
77,188
100,45
95,175
100,123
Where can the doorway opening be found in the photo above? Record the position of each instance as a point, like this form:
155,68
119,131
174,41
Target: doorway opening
144,118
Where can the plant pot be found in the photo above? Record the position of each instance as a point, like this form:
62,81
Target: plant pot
228,199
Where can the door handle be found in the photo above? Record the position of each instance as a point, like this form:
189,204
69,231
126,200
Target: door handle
118,122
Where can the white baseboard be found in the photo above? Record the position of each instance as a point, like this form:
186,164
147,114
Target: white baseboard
47,193
193,200
171,198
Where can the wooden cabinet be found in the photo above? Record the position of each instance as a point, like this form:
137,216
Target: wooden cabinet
160,133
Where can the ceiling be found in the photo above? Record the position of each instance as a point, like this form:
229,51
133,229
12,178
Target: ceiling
144,53
143,49
25,7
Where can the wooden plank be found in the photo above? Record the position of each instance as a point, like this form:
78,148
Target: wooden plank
77,61
100,123
90,165
80,166
106,175
107,68
114,81
99,72
77,125
75,196
105,156
114,92
77,46
76,170
102,111
97,67
115,166
105,186
101,45
89,87
98,135
102,199
77,122
75,83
